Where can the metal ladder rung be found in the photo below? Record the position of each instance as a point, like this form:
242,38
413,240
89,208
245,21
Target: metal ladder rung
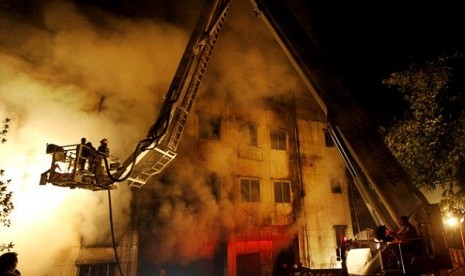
163,160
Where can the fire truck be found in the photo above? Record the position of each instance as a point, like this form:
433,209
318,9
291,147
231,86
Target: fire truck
385,189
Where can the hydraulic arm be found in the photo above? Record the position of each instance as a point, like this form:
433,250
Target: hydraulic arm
386,190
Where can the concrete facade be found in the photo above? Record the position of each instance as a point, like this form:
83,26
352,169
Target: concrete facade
269,229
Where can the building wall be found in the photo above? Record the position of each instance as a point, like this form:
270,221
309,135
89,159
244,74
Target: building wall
325,206
75,256
266,228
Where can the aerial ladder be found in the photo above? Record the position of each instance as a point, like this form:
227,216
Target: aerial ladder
382,183
158,149
190,71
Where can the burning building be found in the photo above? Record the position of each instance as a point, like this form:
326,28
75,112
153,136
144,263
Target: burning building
257,183
251,190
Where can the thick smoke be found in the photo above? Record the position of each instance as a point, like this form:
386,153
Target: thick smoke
69,70
65,75
248,64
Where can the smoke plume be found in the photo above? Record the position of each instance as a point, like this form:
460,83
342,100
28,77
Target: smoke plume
70,69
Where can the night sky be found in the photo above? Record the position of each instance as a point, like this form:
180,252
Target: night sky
366,41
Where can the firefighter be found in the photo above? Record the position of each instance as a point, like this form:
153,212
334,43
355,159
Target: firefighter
406,239
103,148
102,153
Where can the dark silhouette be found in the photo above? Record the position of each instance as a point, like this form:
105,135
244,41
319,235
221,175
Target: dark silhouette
84,154
8,263
103,148
100,160
405,239
89,153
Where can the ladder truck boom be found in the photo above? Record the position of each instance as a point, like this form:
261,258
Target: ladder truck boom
185,84
385,188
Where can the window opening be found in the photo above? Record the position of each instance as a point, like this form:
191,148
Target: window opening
250,190
278,139
282,191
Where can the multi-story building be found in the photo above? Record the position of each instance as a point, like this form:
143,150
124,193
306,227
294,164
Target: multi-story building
275,184
253,188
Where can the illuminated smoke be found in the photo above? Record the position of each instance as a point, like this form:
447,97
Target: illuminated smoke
65,74
62,77
247,63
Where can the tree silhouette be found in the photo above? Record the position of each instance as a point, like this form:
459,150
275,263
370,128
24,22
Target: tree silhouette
6,203
429,139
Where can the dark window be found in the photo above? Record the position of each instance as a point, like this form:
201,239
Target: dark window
282,192
250,190
328,139
278,139
209,127
248,134
336,187
96,269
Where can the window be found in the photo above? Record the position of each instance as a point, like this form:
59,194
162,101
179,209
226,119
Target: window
209,127
336,187
278,139
282,192
248,134
328,139
96,269
250,190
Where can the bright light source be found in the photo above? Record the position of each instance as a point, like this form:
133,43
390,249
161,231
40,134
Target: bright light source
452,221
356,260
456,222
